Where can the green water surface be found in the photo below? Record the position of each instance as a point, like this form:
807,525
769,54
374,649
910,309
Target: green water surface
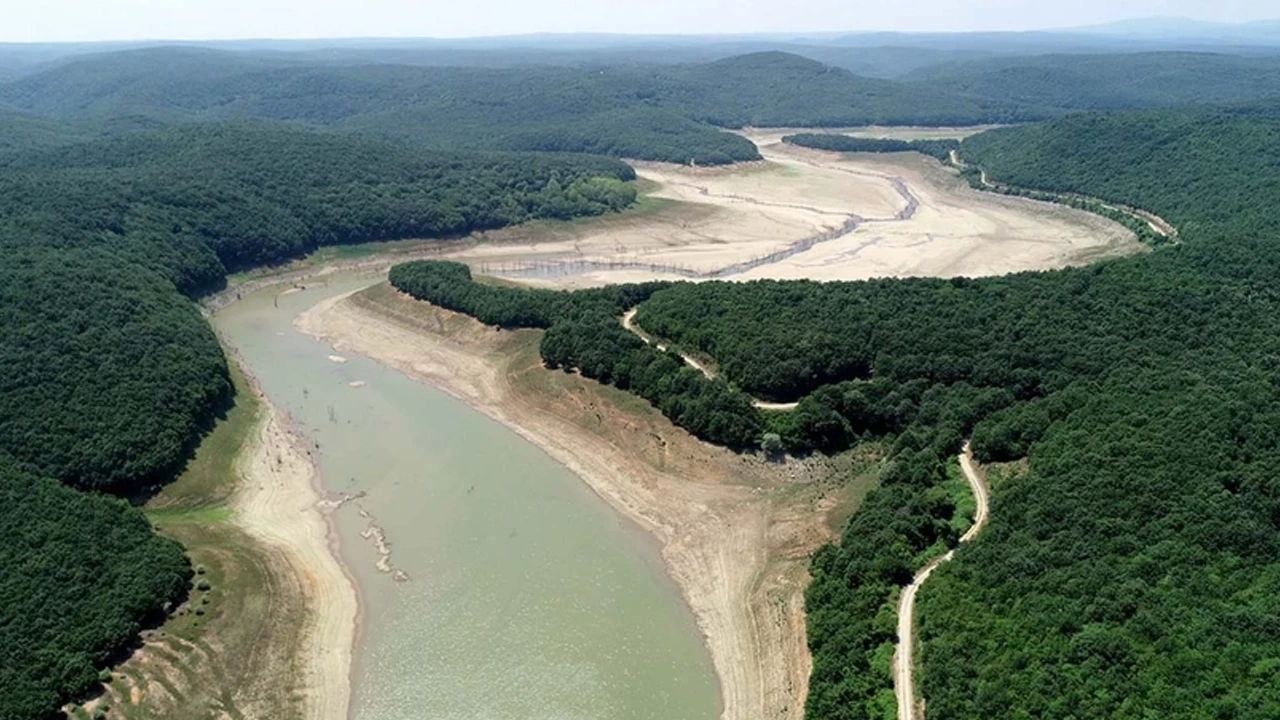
529,598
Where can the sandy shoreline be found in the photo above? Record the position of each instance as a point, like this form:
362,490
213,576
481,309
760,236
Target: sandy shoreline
279,504
734,539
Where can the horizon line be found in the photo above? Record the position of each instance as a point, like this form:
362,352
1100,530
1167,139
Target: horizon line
1090,29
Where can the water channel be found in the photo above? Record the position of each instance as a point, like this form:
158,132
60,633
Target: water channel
527,597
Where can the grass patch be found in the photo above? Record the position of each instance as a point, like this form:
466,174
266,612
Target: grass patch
160,518
360,251
961,496
645,186
1000,474
210,478
854,474
644,206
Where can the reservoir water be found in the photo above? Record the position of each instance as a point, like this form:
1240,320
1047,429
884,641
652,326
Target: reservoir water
527,597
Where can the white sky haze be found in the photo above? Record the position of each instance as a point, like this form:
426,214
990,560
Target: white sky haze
81,20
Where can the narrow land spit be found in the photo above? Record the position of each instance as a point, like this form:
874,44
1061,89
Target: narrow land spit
279,504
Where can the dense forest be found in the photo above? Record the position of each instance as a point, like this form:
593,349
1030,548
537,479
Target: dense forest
106,387
1209,171
835,142
82,574
231,196
109,375
1114,81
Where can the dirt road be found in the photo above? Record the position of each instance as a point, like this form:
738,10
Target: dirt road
628,322
1158,225
904,658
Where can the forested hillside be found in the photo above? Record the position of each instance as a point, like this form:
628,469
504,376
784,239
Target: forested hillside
81,574
655,112
1127,81
1210,171
197,200
19,129
782,90
648,111
109,375
1133,571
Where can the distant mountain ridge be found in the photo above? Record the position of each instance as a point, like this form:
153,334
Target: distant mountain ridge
1181,27
561,107
884,54
499,108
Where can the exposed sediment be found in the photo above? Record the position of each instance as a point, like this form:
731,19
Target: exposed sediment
735,532
279,503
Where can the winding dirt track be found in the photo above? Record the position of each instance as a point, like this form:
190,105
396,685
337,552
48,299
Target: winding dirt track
1158,225
628,322
904,658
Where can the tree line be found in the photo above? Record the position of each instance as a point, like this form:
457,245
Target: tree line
939,149
584,333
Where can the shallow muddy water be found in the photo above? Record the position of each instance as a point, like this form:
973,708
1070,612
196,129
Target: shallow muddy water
527,596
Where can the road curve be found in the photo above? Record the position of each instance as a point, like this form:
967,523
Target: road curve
1158,225
628,322
904,657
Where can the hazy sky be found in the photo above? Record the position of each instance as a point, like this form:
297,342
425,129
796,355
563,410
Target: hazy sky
60,20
